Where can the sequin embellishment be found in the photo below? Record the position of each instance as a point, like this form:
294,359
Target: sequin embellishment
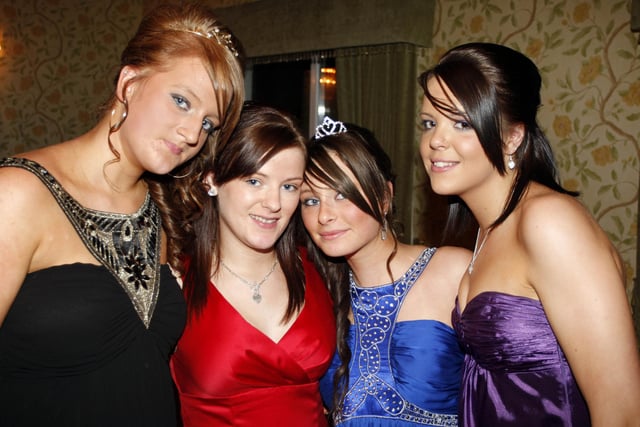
126,245
375,311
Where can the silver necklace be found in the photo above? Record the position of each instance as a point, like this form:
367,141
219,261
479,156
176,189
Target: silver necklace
476,249
254,286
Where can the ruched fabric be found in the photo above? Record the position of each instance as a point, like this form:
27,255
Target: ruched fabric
74,352
515,373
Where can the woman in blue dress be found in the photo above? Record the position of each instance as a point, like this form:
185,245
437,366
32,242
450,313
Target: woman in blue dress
397,361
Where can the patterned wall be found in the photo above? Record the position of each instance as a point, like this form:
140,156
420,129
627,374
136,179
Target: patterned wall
58,60
57,65
590,64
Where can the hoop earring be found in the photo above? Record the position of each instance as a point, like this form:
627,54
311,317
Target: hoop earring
189,173
115,127
180,176
511,164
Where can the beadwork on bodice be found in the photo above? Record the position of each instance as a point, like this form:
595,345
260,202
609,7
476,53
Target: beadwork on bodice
126,245
375,312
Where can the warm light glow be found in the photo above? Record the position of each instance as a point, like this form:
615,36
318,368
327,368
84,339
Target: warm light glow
328,76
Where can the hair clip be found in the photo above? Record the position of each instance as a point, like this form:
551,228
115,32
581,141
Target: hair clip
329,127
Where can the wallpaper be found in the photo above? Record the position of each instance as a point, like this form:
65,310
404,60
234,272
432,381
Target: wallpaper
57,65
590,65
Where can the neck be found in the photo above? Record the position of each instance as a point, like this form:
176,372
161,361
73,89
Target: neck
94,156
369,264
244,259
487,203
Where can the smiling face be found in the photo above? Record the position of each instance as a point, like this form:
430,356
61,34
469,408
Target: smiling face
451,152
171,113
335,224
256,209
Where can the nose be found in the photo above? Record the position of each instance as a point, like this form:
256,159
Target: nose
191,130
436,139
326,214
271,199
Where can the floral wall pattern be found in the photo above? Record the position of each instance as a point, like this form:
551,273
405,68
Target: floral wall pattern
58,59
590,63
57,65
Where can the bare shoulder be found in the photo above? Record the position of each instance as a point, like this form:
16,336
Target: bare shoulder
564,245
20,188
549,218
450,262
452,255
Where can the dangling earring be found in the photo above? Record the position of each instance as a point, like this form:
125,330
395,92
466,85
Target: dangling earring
383,231
115,127
511,164
213,191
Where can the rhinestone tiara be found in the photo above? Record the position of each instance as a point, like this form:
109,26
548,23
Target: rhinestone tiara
330,127
222,37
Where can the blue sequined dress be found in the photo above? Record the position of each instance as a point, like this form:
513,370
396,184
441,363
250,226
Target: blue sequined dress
401,373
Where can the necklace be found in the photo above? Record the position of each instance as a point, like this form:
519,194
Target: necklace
476,249
254,286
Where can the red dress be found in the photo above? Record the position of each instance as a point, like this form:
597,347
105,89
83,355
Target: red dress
228,373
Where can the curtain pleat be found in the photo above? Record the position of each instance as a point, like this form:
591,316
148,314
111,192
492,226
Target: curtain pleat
377,88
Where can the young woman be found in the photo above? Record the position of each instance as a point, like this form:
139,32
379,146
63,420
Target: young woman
260,331
89,309
397,361
542,312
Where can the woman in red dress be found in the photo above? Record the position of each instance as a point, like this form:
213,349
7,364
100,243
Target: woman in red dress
260,329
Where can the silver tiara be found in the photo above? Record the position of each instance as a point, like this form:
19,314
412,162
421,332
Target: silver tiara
222,37
329,127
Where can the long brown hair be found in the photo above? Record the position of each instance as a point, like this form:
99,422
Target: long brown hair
261,133
496,86
361,152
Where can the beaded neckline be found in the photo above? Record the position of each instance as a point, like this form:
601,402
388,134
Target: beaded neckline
128,246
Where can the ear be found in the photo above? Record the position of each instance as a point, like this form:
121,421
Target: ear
127,73
514,138
386,204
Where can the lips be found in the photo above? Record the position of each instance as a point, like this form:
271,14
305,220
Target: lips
175,149
331,235
442,165
263,220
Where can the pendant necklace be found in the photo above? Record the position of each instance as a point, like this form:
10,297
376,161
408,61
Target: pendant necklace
254,286
476,249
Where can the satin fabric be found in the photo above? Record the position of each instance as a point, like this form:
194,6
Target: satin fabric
228,373
401,373
515,373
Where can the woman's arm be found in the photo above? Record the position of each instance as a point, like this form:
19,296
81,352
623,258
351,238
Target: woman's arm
579,278
18,232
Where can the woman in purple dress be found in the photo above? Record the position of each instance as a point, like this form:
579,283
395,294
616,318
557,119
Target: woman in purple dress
542,312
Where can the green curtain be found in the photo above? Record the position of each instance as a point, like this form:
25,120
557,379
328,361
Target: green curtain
377,88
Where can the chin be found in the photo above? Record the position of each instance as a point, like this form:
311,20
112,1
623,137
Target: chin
332,251
442,190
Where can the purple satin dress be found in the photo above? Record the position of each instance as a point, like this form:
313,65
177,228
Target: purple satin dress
515,373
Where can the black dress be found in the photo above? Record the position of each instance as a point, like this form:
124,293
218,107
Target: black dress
88,345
